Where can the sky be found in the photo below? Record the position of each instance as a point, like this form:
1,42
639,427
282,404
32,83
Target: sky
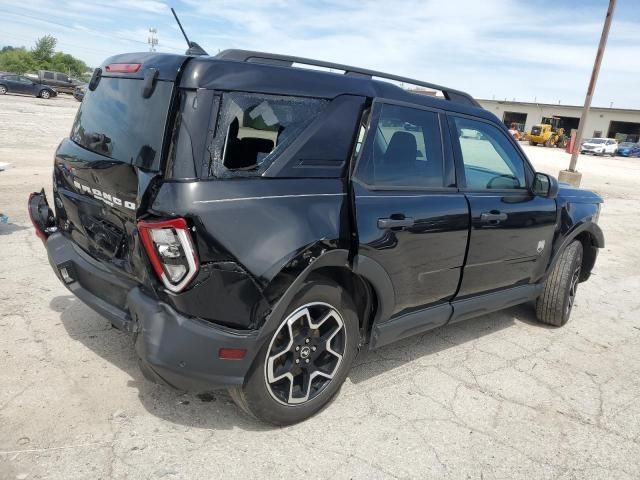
504,49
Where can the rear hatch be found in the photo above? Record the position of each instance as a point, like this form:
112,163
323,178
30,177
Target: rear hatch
105,172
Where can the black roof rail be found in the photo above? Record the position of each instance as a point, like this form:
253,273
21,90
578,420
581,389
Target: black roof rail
287,61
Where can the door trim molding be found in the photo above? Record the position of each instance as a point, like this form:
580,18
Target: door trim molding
409,324
492,302
432,317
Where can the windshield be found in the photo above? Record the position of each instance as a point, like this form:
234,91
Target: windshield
116,121
626,144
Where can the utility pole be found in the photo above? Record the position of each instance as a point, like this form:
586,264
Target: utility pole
152,40
572,176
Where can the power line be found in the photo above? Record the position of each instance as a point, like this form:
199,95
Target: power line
89,32
62,43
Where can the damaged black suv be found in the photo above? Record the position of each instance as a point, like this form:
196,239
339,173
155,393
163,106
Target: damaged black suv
253,222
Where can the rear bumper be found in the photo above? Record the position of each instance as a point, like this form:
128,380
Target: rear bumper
181,351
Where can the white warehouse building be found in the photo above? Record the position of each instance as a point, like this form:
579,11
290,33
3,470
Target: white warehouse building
619,123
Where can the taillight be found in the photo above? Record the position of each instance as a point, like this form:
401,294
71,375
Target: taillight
170,249
123,67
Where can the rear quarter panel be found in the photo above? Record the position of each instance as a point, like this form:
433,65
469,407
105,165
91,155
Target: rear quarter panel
248,230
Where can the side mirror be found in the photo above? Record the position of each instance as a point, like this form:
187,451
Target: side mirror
545,185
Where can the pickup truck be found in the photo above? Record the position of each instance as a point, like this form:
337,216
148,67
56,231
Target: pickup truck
60,81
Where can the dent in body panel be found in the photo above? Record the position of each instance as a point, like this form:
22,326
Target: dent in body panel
577,213
261,226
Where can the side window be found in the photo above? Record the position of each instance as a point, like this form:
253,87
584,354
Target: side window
490,160
406,150
253,129
48,75
62,77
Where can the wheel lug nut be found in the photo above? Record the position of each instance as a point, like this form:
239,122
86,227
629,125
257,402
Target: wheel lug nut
307,360
307,340
297,348
297,360
313,349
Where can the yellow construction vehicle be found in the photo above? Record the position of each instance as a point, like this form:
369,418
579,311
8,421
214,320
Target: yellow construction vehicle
548,133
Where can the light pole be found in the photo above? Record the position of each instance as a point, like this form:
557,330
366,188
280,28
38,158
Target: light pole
571,175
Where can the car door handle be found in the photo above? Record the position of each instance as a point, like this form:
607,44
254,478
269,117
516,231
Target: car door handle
384,223
493,217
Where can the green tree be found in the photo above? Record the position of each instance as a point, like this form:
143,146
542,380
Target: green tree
18,60
65,63
41,57
44,49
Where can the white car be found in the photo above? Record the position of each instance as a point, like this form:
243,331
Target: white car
599,146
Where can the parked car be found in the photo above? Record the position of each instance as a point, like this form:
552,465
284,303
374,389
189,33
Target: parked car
60,81
599,146
629,149
253,225
20,84
79,92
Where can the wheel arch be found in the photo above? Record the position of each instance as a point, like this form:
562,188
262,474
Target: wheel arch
592,239
367,283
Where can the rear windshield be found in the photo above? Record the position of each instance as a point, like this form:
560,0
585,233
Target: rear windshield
116,121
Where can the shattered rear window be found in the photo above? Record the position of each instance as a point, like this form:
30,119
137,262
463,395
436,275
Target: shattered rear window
254,129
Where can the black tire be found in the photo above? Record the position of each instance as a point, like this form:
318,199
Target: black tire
3,89
45,94
268,402
554,306
532,143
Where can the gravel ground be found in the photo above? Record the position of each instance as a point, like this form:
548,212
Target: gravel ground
499,396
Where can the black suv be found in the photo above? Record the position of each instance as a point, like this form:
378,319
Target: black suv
253,223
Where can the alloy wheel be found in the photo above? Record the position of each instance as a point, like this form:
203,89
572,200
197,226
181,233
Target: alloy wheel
44,94
3,89
305,353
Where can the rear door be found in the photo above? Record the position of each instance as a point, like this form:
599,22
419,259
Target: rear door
104,169
48,78
511,229
411,219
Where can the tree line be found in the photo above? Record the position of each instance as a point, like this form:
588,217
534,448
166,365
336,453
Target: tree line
42,56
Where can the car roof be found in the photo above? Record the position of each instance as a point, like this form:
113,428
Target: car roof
234,70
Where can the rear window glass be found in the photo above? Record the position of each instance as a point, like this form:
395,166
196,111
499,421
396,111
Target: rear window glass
48,75
253,129
117,122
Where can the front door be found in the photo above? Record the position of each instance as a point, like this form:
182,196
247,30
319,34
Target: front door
410,217
24,85
511,229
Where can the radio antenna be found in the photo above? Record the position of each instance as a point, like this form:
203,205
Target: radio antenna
194,48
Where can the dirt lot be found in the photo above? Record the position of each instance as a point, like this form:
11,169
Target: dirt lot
495,397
